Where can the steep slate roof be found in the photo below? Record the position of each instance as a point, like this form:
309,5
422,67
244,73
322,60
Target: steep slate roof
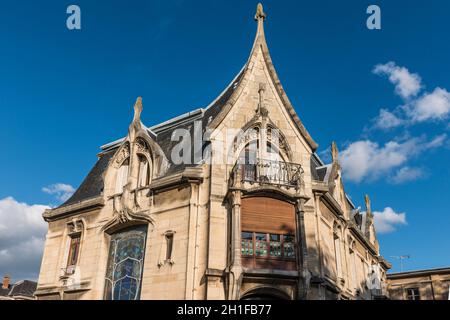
92,185
21,288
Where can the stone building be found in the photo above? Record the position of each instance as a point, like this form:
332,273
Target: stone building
431,284
184,210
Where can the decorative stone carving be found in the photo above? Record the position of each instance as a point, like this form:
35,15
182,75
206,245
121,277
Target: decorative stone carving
249,135
141,146
261,110
123,214
334,152
122,155
75,226
276,138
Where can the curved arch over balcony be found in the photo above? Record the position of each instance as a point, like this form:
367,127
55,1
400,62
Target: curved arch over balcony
267,174
265,293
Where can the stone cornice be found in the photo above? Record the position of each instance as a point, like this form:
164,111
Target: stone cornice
82,206
334,204
319,186
189,175
416,273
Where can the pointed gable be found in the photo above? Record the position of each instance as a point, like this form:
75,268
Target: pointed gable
260,47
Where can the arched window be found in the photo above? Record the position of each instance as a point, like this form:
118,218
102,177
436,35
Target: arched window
125,264
122,176
144,172
273,153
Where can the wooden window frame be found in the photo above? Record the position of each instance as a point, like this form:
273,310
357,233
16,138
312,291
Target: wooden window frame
413,295
268,256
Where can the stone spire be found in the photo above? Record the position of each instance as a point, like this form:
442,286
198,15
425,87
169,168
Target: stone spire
260,16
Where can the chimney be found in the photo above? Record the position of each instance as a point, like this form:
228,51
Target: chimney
6,279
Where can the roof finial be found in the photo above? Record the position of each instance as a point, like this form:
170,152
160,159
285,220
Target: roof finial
334,152
368,205
137,109
260,14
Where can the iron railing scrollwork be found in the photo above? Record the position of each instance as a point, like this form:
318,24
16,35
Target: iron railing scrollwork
271,172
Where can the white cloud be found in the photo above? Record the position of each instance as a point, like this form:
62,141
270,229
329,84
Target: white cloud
387,120
61,191
22,234
425,107
406,174
386,220
430,106
367,159
407,84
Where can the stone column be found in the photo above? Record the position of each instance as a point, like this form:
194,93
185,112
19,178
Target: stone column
318,214
235,252
302,251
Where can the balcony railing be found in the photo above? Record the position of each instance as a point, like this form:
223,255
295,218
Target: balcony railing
270,172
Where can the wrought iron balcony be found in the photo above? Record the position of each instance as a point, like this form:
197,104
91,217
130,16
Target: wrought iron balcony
270,172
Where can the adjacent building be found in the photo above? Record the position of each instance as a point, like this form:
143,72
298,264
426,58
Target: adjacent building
21,290
431,284
184,210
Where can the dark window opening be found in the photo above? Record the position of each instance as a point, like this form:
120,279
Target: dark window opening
74,250
169,243
413,294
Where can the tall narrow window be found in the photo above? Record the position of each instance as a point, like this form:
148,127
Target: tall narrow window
289,246
169,244
275,245
261,244
353,267
122,176
144,172
247,243
74,251
125,264
337,253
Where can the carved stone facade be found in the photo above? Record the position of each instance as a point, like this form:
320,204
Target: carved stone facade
280,226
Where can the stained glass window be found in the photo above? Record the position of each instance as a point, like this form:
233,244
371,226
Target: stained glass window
247,243
261,244
288,246
275,245
125,264
268,245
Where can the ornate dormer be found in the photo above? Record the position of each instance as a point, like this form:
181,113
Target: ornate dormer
136,163
336,186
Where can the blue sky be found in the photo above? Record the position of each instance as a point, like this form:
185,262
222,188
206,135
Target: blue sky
64,93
